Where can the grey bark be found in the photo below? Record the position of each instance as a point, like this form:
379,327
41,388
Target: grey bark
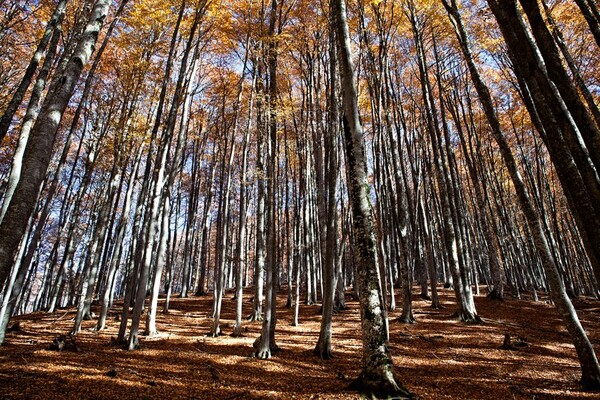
17,98
265,344
377,376
587,357
323,346
39,150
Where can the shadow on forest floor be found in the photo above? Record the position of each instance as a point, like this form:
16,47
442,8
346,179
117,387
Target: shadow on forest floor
436,358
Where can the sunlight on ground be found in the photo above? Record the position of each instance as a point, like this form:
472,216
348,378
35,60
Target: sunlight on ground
436,358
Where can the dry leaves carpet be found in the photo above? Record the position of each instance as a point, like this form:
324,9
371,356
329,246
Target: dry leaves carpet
436,358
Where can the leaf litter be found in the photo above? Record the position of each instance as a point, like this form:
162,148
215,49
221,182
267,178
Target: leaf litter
435,358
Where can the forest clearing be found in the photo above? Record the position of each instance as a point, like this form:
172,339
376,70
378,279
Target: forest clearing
436,358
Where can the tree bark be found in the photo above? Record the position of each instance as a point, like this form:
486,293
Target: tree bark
377,376
39,150
265,345
17,98
587,357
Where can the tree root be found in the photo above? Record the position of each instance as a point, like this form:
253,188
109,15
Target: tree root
467,318
237,332
263,355
407,319
254,317
379,388
323,351
151,333
260,352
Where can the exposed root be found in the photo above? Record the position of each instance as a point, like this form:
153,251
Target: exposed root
407,318
151,333
379,388
133,344
254,317
237,331
471,319
263,355
259,351
467,318
323,351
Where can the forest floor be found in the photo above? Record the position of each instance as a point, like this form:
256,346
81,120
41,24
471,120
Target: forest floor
436,358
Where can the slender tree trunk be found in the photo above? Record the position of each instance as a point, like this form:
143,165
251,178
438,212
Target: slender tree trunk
265,345
587,358
52,27
323,346
377,376
259,261
240,258
39,150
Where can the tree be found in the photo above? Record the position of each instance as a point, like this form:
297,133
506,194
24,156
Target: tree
265,343
39,150
563,122
377,376
323,346
589,363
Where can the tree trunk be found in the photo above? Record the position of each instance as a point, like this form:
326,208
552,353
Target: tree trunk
52,27
377,376
39,150
587,357
323,346
265,345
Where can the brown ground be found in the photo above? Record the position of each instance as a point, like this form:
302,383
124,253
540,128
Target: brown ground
436,358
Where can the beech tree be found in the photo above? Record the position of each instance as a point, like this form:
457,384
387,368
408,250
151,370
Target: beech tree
588,360
39,150
299,149
377,377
